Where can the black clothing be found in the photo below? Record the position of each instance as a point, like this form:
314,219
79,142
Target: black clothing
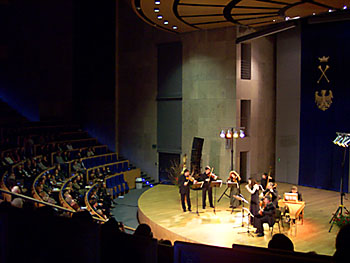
273,194
254,205
263,183
206,188
266,217
184,191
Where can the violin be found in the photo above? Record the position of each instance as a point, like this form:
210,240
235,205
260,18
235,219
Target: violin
212,175
190,177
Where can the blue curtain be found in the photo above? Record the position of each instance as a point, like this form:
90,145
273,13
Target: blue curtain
320,160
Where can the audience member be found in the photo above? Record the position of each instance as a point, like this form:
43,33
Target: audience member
342,245
143,230
282,242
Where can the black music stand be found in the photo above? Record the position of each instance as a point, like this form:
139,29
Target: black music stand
229,186
215,184
196,186
341,207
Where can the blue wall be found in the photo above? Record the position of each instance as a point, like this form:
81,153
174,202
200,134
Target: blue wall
320,159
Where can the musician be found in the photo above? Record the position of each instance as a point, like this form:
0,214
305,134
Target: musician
265,178
235,190
253,189
294,190
271,190
265,215
185,180
207,177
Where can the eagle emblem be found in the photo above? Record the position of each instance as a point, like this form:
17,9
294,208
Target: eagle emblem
323,102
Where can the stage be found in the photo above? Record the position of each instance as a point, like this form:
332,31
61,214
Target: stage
160,207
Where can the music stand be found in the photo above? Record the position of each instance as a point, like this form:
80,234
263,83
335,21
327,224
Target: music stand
215,184
196,186
249,214
229,186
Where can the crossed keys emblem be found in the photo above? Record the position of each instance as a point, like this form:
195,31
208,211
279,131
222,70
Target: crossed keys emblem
323,73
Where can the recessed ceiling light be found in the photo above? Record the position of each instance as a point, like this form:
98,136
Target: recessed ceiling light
138,8
174,27
156,10
160,17
157,2
274,20
330,10
166,22
313,14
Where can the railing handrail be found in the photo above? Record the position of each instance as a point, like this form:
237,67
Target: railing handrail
61,197
87,203
75,149
36,200
38,177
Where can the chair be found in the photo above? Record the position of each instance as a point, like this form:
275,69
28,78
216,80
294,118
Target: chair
120,184
125,166
277,219
122,180
120,167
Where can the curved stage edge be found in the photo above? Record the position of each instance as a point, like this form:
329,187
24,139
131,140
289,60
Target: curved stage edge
160,208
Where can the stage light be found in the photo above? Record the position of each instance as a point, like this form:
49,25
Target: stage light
342,139
235,134
174,27
160,17
345,142
151,185
339,137
156,10
241,134
157,2
166,22
147,183
345,7
228,134
143,179
287,18
222,134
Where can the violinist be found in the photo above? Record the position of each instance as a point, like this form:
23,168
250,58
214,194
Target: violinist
185,180
253,189
207,177
265,215
235,178
271,190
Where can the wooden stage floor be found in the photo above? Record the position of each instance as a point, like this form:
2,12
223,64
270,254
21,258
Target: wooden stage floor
160,207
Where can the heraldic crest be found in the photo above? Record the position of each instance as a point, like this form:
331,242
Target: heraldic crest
323,101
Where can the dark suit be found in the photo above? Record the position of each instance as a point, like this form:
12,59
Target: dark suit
266,217
206,188
184,191
274,196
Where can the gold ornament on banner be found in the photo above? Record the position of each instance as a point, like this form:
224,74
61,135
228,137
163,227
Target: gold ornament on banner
322,100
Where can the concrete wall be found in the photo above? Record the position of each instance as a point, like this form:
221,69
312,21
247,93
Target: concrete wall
260,144
137,88
288,105
209,72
